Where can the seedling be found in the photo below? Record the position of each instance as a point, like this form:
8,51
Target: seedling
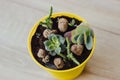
48,22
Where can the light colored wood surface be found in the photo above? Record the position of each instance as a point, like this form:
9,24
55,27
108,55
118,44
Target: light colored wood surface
18,16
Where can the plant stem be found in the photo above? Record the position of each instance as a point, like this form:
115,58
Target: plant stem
69,54
62,55
68,46
74,59
51,11
48,22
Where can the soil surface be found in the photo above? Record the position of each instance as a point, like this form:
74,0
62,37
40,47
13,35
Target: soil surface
38,39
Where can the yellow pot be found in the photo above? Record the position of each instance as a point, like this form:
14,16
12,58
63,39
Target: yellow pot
68,74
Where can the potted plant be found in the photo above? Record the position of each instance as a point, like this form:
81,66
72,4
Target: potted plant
62,43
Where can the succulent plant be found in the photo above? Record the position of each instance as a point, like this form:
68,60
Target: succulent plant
82,34
48,22
55,45
72,23
56,51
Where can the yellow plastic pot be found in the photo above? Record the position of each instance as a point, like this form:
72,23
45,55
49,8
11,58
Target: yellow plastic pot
68,74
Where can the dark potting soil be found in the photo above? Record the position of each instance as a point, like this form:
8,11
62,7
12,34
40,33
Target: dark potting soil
38,39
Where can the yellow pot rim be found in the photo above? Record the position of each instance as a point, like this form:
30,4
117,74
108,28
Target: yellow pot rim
53,16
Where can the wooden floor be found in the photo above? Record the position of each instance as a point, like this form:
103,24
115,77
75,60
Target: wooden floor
18,16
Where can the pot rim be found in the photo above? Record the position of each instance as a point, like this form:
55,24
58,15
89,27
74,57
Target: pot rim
53,16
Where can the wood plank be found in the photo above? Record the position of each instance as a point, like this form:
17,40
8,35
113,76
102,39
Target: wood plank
17,18
100,13
15,24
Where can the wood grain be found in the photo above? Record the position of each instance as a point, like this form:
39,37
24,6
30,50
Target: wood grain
18,16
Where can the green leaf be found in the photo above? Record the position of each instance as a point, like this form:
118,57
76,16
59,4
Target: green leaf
61,39
48,45
74,39
80,39
53,44
88,41
72,23
51,11
71,57
51,47
48,22
83,33
50,36
91,33
44,24
52,53
78,31
58,50
63,56
54,39
83,27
